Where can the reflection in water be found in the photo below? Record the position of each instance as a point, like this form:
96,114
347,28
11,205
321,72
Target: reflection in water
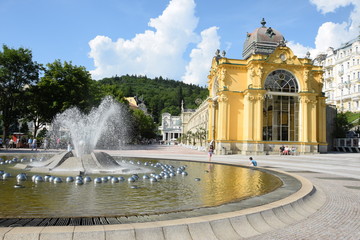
218,184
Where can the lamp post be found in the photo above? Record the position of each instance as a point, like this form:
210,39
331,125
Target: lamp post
341,86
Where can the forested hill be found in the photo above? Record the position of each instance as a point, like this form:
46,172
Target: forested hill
159,95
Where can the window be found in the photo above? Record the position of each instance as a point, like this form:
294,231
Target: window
282,81
281,107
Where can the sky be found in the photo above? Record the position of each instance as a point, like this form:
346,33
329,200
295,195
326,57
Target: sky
175,39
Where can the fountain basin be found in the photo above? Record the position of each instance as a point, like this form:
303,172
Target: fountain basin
220,187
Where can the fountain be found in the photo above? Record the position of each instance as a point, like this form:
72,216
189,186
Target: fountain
84,131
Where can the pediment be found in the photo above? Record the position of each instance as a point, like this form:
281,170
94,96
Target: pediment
283,55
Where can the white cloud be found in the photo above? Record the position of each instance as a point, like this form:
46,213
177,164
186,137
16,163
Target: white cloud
159,52
199,65
152,53
298,49
326,6
332,34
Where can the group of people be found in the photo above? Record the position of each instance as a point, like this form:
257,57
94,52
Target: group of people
32,144
287,151
9,143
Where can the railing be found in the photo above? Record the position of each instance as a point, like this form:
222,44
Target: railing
347,144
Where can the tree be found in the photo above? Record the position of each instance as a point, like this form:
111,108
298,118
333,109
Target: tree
62,86
143,126
341,125
17,72
159,95
37,108
69,86
201,135
24,128
113,91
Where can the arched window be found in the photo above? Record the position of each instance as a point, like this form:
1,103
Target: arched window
281,81
281,107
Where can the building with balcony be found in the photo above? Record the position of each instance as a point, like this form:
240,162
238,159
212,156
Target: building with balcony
342,76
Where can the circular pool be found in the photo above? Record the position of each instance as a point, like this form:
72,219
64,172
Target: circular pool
206,188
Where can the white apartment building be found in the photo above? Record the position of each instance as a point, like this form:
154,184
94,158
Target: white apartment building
342,76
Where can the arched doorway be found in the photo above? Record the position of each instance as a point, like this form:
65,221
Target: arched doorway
281,107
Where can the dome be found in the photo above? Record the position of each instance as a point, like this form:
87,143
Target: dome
263,40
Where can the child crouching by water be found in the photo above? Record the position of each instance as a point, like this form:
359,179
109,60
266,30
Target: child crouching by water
252,162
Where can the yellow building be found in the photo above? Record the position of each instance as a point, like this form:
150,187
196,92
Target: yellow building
268,99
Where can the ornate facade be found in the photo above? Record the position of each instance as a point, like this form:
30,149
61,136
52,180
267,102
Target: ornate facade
194,120
269,99
171,127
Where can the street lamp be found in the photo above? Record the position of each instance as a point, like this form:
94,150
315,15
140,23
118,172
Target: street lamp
341,86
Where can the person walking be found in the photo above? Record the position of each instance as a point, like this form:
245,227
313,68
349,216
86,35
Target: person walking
30,142
211,151
252,162
45,144
34,145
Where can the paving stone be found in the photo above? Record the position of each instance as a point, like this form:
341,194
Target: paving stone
223,230
242,226
201,231
149,233
57,233
179,232
23,233
89,233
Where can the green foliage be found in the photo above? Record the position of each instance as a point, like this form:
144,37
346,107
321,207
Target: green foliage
68,86
42,133
143,126
111,90
17,73
352,117
62,86
341,125
160,95
24,128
